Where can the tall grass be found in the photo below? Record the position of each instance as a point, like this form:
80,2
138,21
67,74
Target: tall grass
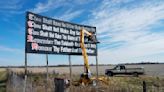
3,81
37,83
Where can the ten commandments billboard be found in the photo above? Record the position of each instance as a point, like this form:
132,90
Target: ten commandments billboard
51,36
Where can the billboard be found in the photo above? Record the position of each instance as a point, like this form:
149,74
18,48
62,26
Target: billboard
51,36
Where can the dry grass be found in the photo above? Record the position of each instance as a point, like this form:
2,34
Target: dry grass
124,84
116,84
3,80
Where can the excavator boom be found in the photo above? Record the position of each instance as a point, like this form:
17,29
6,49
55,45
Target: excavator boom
86,76
84,53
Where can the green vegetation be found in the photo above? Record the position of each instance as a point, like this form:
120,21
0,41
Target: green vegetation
3,81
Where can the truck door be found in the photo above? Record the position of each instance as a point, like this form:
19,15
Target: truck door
116,70
119,70
122,70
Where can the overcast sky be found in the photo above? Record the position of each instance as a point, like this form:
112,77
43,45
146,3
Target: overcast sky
128,30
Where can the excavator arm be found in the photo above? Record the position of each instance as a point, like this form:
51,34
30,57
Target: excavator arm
86,76
84,52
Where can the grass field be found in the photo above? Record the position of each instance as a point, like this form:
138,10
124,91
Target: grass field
3,80
116,84
36,81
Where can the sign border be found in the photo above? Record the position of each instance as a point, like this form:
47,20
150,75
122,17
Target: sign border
62,53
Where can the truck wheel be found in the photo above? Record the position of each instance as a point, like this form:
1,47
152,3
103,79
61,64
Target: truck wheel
135,74
110,74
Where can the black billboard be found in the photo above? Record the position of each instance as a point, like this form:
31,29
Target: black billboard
51,36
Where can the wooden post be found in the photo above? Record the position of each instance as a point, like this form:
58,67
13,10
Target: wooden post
25,63
97,63
47,65
144,86
25,81
46,72
97,74
70,68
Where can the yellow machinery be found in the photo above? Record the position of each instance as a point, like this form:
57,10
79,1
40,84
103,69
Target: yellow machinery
86,76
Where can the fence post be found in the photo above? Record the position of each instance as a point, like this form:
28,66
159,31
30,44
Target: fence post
144,86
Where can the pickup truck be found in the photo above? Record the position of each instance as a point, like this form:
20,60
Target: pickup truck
121,69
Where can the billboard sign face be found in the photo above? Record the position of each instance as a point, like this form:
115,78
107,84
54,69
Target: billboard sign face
51,36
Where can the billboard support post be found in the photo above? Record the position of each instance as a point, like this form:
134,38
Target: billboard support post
47,65
25,81
97,70
97,74
25,63
70,68
46,71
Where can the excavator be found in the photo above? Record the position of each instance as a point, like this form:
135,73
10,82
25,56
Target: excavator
86,78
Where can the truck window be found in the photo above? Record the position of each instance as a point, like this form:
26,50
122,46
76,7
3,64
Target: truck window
118,68
122,67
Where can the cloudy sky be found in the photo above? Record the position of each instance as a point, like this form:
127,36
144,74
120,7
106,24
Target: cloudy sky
129,30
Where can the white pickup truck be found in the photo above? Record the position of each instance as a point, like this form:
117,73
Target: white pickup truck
121,69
